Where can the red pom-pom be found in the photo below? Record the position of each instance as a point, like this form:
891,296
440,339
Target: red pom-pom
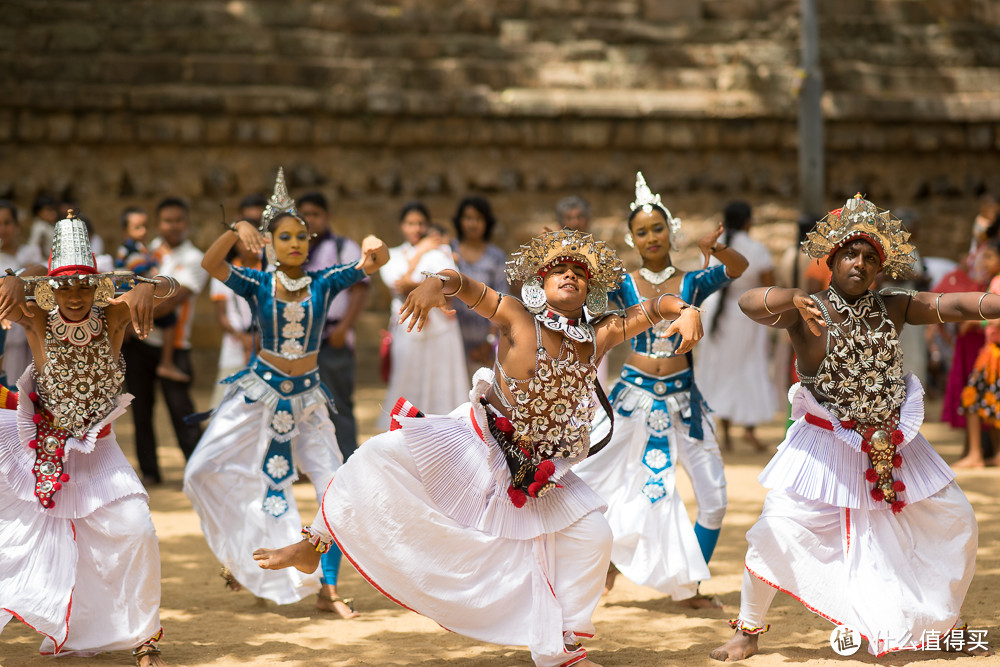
33,396
866,447
548,467
878,495
898,506
534,488
503,425
871,475
516,496
541,477
64,477
33,444
897,460
37,418
56,486
848,423
60,452
898,486
897,437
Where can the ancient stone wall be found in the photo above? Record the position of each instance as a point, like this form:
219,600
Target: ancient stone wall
374,101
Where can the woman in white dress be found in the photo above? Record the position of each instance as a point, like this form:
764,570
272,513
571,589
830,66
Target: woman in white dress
732,359
428,366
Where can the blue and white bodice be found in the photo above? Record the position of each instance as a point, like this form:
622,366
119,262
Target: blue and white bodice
696,286
291,329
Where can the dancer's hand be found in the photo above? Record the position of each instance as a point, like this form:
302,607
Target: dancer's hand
250,236
13,304
810,313
419,303
708,241
139,300
374,254
688,325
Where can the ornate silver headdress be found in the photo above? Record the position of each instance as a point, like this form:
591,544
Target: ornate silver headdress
280,202
859,218
646,200
545,250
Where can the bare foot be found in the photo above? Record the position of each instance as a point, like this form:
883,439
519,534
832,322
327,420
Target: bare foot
151,661
969,462
701,602
328,600
148,655
172,373
301,555
609,582
739,647
231,582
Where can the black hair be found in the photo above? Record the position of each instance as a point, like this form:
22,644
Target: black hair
42,201
253,201
655,207
131,210
483,207
414,205
735,218
993,243
172,202
314,198
9,205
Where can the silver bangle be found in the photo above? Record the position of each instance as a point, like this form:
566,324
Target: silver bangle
980,307
937,307
766,292
172,282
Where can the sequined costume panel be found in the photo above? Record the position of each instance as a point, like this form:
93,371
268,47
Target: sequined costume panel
552,410
696,286
81,380
291,329
861,376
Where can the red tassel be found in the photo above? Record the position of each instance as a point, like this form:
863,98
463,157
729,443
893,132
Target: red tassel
898,506
541,477
898,486
866,447
534,488
548,467
37,418
897,437
64,477
56,486
33,444
33,396
503,425
878,495
848,424
871,475
516,496
897,460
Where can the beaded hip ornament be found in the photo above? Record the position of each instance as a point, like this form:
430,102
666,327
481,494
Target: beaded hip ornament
50,448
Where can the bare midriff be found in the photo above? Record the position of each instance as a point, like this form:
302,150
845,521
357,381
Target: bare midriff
290,366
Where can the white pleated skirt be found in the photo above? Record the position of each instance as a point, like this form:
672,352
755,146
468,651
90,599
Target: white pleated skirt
422,512
654,540
226,485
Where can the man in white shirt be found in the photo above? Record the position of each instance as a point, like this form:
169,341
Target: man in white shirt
180,259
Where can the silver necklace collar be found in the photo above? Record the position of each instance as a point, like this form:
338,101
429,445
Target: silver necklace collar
292,284
575,329
657,277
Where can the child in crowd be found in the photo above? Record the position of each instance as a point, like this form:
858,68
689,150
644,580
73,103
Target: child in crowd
981,396
133,255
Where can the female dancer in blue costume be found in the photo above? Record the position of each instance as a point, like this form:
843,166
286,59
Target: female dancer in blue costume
490,533
661,420
274,419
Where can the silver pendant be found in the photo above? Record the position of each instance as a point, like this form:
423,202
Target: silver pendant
533,295
657,277
293,284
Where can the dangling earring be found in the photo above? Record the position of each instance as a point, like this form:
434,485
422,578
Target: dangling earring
597,299
44,297
104,293
272,256
628,240
533,295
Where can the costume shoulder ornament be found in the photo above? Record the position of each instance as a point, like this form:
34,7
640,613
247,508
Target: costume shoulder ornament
859,218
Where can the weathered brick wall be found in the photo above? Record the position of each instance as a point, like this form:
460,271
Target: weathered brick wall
117,102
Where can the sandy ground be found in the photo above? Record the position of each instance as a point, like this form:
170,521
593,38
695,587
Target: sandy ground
208,625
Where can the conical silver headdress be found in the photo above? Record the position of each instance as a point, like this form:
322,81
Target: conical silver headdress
279,203
646,200
71,253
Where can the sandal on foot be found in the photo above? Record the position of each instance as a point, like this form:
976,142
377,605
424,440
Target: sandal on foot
231,582
332,599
